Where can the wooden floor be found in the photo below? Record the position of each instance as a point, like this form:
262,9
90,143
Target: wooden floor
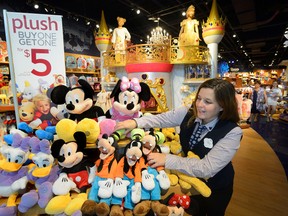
260,186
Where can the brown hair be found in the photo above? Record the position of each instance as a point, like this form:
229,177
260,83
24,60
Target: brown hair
225,96
257,81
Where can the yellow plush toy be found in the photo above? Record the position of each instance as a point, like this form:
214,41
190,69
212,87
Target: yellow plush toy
26,111
186,181
65,129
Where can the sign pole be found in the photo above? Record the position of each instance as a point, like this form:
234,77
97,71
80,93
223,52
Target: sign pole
11,66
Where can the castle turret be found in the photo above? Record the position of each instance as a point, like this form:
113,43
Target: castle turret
212,32
103,36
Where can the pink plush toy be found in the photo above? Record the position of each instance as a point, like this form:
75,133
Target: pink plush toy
127,95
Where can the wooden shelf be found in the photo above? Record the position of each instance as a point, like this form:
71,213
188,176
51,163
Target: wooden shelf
83,72
6,62
6,108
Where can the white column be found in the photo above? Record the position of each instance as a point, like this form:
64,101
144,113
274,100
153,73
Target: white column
213,49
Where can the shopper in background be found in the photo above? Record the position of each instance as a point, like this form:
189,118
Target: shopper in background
274,94
259,99
214,117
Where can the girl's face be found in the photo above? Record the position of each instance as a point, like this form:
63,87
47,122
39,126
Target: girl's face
43,107
275,84
207,106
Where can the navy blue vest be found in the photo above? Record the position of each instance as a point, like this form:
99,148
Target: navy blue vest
223,178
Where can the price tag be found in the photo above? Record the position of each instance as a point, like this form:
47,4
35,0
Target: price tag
37,48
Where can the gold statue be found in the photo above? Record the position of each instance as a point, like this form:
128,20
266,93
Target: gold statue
189,34
120,36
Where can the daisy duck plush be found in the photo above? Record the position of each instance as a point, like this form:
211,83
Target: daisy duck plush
13,175
43,174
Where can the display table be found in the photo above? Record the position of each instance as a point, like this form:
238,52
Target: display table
259,176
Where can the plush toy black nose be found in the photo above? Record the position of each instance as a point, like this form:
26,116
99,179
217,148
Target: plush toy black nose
130,106
70,106
61,159
24,114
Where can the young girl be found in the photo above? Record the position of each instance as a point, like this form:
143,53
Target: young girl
42,116
209,129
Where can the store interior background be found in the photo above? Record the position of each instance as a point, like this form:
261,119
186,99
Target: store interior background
253,43
258,47
259,25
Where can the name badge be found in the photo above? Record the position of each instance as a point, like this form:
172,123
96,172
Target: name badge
208,143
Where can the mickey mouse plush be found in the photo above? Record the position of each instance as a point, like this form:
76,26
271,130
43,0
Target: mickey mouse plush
78,100
74,167
127,99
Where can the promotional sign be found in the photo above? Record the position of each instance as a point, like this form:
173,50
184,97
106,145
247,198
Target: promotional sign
36,54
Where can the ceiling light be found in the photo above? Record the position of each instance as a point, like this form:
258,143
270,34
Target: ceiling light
183,13
97,26
138,11
234,35
36,6
88,22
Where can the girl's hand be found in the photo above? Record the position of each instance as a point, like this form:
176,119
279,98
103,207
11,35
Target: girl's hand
156,159
127,124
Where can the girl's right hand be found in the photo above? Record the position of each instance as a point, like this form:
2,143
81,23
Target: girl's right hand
127,124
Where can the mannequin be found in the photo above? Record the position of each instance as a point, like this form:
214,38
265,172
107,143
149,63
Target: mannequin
120,36
189,34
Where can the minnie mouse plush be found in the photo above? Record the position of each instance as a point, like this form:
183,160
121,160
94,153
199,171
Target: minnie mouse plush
127,99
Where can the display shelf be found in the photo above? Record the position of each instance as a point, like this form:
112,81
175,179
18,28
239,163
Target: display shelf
6,108
79,71
188,82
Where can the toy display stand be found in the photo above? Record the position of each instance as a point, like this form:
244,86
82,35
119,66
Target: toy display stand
36,210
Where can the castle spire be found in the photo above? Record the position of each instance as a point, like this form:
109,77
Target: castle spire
103,36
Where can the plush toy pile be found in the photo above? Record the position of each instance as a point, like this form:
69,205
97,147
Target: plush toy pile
57,175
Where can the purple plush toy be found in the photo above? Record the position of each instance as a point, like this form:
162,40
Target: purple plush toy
44,173
13,175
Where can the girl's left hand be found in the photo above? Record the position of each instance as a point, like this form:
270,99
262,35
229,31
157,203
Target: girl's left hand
156,159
